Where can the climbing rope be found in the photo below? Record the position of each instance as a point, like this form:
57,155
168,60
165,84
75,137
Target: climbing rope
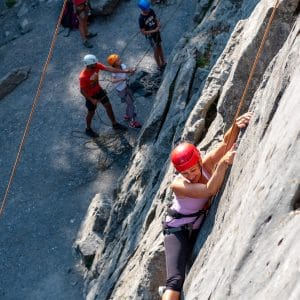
246,88
25,133
251,74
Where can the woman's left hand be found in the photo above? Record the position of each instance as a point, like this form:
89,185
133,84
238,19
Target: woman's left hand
243,120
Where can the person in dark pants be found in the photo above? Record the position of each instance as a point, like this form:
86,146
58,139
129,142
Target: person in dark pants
198,180
82,11
150,26
119,80
93,92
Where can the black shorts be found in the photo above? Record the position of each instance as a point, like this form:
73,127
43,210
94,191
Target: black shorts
154,39
101,96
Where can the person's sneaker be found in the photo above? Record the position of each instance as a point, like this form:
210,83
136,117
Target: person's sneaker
91,35
161,290
90,132
87,44
127,118
118,126
135,124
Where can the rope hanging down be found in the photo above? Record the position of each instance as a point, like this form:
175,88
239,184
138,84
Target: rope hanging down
25,133
251,74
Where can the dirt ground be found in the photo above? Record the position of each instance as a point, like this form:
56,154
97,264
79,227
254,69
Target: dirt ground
58,173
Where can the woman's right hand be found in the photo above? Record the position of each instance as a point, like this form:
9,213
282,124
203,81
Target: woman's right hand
229,156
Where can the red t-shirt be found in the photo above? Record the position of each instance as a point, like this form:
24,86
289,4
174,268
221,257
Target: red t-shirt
89,79
79,2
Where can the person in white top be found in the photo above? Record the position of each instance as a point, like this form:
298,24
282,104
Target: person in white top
120,83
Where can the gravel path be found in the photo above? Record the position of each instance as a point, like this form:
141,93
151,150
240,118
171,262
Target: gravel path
58,175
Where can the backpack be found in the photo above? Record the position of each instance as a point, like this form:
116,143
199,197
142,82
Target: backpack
69,18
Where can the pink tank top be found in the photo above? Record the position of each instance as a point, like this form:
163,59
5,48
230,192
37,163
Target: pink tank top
186,206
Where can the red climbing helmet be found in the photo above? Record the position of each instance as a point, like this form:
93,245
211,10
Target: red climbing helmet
184,156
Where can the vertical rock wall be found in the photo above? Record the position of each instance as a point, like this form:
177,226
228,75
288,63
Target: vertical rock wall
249,248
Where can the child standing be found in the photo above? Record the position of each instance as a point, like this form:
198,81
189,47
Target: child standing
150,27
120,83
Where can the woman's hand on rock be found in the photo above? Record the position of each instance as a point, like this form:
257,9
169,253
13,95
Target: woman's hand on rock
243,120
229,156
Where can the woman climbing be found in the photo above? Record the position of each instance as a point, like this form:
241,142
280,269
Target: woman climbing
198,180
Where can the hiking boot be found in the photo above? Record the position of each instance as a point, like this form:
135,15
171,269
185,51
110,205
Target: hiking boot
118,126
135,124
161,290
91,35
87,44
90,132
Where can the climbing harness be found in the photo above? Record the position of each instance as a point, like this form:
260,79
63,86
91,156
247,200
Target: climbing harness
186,227
176,215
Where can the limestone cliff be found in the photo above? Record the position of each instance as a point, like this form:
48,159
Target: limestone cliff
248,246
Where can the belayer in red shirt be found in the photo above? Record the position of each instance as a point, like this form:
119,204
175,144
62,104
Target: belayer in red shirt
93,92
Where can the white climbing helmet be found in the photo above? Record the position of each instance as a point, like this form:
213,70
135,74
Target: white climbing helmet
90,59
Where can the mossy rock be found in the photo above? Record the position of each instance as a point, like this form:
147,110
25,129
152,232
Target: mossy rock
10,3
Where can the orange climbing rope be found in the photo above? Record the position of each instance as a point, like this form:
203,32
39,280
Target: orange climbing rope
26,130
251,74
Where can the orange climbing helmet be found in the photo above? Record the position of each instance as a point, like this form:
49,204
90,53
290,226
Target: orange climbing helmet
111,59
184,156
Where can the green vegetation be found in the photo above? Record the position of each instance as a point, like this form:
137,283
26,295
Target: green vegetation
10,3
203,59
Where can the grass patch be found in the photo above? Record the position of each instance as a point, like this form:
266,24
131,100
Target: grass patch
203,59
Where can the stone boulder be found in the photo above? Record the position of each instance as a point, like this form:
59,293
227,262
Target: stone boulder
90,234
10,81
103,7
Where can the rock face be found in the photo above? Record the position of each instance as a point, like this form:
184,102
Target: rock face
248,246
9,82
103,7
